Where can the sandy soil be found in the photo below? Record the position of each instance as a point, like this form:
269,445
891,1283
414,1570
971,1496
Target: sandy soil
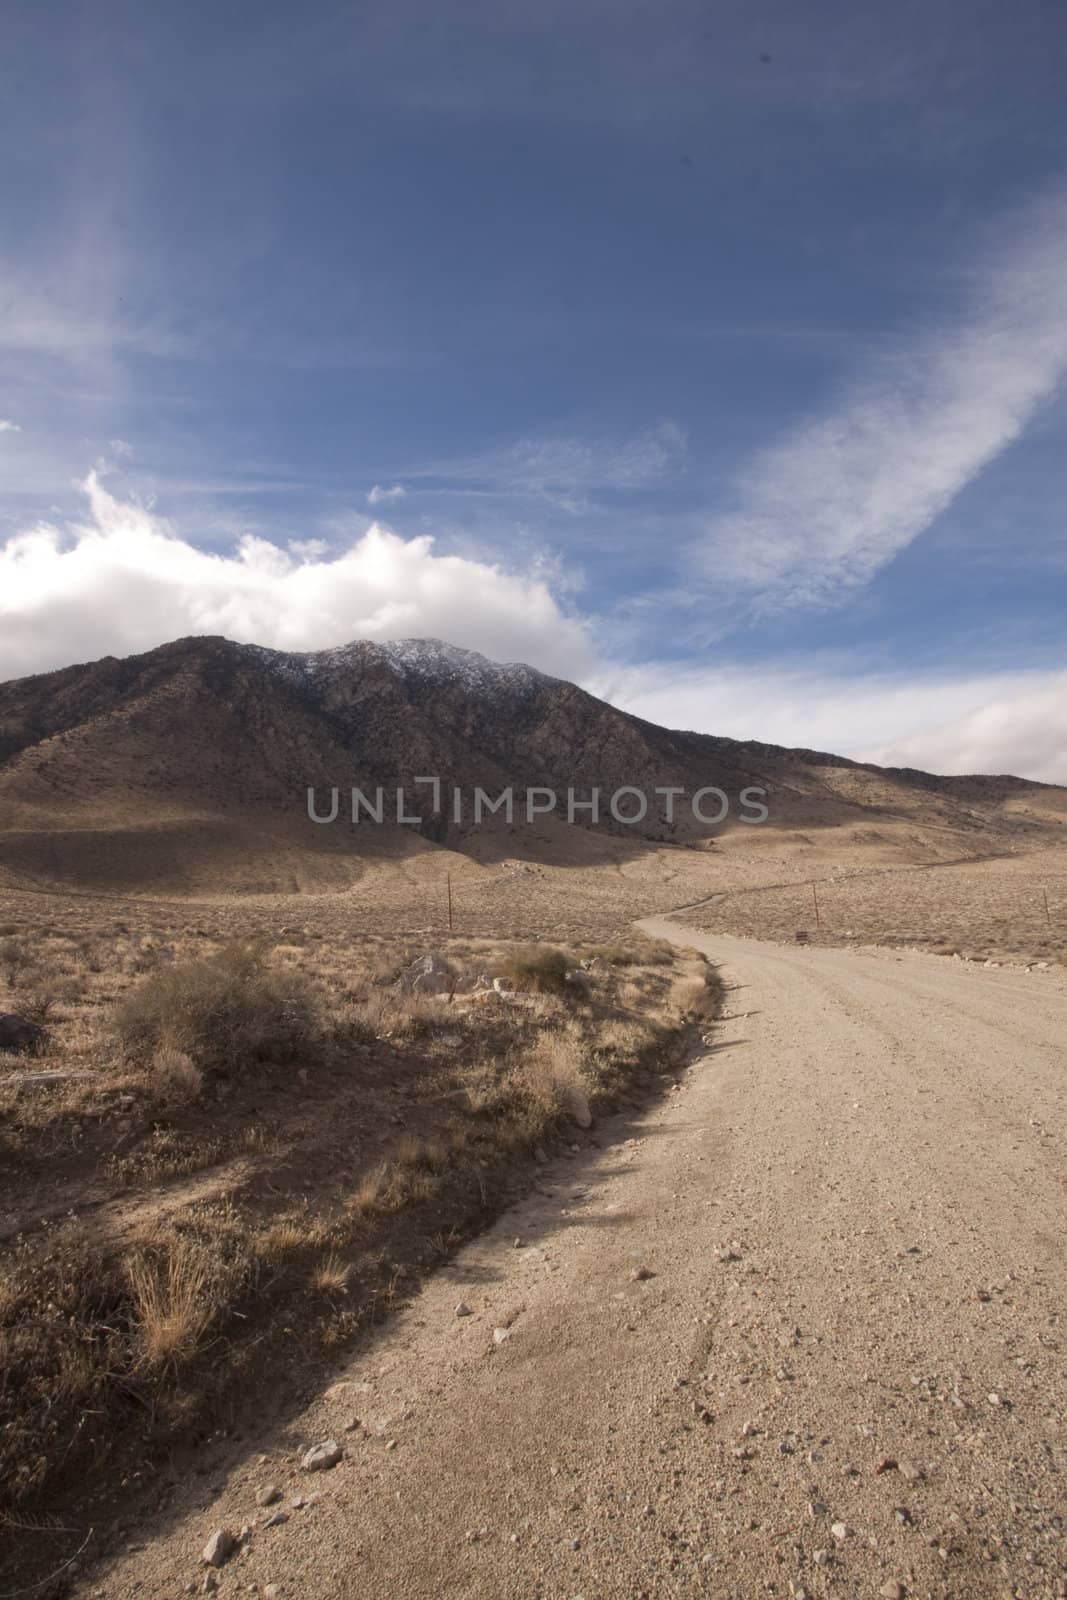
843,1372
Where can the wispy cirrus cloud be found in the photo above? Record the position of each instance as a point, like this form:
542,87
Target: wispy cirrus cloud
819,512
9,427
572,464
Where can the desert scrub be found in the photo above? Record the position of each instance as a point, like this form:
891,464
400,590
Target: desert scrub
226,1012
540,971
555,1078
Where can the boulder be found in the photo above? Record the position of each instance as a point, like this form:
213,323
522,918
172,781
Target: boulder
430,974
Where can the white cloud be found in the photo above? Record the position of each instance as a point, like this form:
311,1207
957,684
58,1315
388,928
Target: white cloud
998,722
379,495
818,513
9,427
124,581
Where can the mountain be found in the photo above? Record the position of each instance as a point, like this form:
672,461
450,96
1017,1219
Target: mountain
188,768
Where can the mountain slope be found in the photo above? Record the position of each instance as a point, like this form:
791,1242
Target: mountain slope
191,764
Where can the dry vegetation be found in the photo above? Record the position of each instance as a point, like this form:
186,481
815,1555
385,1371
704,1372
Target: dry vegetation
262,1142
1007,910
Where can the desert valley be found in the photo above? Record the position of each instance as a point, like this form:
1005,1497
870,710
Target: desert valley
289,1162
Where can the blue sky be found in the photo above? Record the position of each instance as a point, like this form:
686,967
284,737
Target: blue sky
710,354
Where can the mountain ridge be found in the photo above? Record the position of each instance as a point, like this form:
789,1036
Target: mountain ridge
210,732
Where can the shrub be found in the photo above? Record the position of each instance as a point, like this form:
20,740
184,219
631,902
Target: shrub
226,1012
175,1077
539,971
554,1078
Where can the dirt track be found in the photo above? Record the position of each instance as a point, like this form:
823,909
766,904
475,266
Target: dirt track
853,1210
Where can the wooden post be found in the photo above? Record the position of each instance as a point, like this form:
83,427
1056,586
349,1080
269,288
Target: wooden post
448,881
815,902
1048,914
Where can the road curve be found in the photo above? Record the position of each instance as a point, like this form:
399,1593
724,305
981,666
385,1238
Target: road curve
845,1371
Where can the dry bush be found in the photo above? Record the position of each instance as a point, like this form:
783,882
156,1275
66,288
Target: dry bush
173,1291
541,971
15,958
688,994
554,1077
227,1011
174,1076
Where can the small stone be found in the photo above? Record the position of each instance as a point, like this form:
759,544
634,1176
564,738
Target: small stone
840,1531
272,1592
821,1558
268,1495
500,1335
641,1274
816,1509
322,1456
463,1309
298,1502
902,1515
994,1399
887,1464
892,1590
277,1520
219,1548
910,1472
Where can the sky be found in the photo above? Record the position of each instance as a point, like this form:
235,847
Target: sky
709,354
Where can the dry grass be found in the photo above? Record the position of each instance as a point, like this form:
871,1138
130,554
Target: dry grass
264,1117
331,1275
173,1296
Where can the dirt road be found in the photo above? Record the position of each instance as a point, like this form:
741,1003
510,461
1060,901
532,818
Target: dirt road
844,1373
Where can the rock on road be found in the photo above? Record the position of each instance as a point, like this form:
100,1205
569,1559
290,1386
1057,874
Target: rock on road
841,1371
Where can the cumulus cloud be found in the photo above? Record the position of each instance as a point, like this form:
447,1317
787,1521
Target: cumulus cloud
821,510
997,722
124,581
380,495
9,427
